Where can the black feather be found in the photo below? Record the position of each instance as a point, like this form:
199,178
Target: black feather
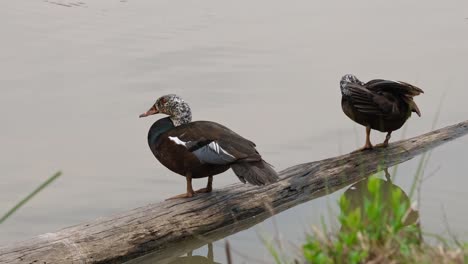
256,173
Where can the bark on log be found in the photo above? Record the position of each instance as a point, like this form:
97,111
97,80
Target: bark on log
175,227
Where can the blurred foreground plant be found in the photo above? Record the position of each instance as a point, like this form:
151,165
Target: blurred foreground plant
382,229
31,195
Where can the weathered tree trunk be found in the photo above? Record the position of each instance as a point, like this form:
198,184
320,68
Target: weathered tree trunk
190,223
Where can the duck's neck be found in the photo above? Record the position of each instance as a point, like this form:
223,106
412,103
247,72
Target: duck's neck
182,115
158,128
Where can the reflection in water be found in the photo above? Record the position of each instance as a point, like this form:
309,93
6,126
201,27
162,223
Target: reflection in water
189,259
358,193
176,258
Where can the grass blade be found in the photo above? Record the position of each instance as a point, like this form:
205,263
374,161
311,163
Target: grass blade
31,195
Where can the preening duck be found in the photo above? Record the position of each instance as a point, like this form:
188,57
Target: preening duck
202,148
381,105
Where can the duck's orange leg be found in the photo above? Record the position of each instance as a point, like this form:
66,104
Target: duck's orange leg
368,144
385,143
189,193
209,186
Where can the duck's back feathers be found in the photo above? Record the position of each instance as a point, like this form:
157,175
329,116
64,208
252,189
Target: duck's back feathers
369,102
394,87
401,90
213,143
383,98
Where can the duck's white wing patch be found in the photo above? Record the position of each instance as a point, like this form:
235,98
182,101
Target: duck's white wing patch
178,141
213,153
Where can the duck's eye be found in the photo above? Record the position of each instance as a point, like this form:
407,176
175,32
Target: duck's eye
163,101
160,103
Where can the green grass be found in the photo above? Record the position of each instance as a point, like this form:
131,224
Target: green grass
382,229
366,230
29,197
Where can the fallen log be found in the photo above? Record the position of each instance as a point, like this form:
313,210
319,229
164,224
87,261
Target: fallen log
190,223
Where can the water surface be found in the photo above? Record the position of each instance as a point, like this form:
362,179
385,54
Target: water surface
75,75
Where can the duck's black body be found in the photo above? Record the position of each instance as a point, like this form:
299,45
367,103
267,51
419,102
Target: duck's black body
204,148
382,105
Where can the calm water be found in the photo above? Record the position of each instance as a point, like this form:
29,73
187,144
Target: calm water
75,76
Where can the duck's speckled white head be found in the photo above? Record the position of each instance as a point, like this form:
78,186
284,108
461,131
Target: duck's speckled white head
347,79
173,106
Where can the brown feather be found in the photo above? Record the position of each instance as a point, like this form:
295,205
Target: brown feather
383,105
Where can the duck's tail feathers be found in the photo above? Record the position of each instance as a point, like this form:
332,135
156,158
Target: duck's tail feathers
256,173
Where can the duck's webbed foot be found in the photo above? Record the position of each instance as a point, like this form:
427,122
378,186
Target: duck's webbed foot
381,145
190,193
209,186
366,147
203,190
183,195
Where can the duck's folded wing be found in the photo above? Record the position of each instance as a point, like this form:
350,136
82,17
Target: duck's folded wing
213,153
220,152
394,87
369,102
212,143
